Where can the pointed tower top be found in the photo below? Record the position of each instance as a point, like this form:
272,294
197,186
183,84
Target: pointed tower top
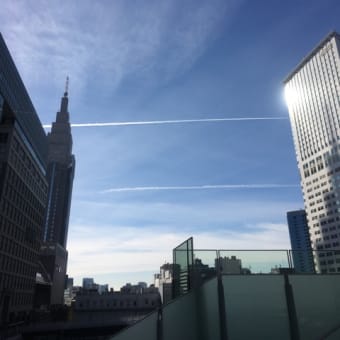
66,86
64,99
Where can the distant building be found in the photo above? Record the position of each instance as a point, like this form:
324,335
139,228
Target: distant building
300,242
313,96
69,282
163,281
230,265
23,192
102,289
201,271
68,292
88,282
130,304
140,287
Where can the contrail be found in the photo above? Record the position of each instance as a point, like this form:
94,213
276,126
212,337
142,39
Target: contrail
203,187
176,121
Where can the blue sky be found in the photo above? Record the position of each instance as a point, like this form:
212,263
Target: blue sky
169,60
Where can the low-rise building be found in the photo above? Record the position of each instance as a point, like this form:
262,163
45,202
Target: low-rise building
132,303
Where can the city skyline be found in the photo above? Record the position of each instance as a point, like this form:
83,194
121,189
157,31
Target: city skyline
219,62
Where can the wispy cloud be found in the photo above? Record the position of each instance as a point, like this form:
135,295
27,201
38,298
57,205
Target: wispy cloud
203,187
109,41
174,121
190,216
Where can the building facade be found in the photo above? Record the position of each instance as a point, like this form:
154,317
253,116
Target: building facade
88,283
163,281
23,192
130,304
313,97
60,174
299,238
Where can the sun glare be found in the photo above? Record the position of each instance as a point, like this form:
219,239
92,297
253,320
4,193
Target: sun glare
291,95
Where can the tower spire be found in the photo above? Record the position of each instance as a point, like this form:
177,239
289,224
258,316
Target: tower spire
64,103
66,86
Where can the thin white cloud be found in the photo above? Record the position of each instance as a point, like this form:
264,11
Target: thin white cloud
174,121
203,187
192,216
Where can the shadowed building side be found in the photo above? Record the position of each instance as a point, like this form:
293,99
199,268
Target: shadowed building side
23,193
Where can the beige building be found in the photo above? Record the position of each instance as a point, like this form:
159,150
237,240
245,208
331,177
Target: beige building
313,97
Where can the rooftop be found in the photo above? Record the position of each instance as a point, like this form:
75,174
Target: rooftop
311,54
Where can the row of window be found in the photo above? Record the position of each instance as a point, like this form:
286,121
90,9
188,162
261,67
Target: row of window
23,202
329,270
18,298
12,247
327,246
23,198
116,303
329,174
16,216
27,169
329,254
320,74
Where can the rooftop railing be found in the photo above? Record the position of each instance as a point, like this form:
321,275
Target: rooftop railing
194,266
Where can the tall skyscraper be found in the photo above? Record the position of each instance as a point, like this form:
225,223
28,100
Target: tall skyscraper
60,174
300,242
313,98
23,192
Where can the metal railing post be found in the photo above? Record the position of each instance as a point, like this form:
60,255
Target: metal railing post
160,323
292,316
221,300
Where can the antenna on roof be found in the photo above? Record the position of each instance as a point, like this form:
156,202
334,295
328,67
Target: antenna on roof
66,85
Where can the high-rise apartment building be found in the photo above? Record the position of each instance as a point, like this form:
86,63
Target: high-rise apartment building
23,192
300,242
313,98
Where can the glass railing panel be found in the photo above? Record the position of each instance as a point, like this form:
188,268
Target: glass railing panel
204,265
256,307
179,319
303,261
317,303
182,258
253,261
144,329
